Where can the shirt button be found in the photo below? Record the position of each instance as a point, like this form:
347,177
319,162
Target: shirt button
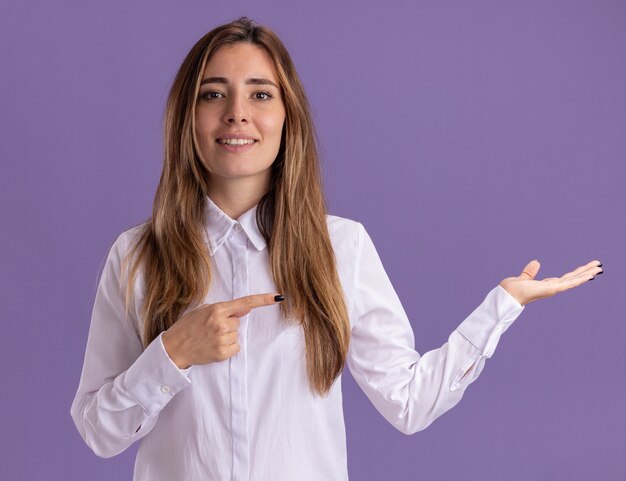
238,228
165,389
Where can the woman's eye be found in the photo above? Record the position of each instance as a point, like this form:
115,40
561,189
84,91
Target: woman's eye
267,94
210,95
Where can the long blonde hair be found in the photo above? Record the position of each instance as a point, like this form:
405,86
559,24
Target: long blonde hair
172,247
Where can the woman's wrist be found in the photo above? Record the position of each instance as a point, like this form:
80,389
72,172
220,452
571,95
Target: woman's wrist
507,287
171,348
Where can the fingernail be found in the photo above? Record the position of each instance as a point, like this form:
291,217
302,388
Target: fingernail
601,272
599,265
592,279
279,298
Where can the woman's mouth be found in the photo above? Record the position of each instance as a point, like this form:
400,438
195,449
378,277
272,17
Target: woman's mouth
236,145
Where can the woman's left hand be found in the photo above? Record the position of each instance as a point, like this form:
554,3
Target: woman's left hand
525,288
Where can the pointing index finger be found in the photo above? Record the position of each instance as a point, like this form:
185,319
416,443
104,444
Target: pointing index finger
250,302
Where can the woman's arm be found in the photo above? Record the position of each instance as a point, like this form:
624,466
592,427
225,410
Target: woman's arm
412,390
122,388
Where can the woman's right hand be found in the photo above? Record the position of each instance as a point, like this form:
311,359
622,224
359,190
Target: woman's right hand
209,332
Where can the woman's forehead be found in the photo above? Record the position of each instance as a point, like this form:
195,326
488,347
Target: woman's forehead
242,59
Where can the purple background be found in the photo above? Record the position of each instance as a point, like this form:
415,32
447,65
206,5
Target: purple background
468,137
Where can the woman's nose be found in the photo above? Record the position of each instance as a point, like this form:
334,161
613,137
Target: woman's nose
236,110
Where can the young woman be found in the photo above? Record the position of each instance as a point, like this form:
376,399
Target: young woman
222,324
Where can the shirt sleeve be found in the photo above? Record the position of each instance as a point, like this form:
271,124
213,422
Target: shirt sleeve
412,390
122,387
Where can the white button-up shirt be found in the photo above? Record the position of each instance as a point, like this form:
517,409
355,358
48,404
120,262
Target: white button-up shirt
253,417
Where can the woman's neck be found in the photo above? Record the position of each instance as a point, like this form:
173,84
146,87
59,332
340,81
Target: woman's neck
235,198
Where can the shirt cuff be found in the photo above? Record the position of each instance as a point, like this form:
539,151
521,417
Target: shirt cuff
490,320
154,379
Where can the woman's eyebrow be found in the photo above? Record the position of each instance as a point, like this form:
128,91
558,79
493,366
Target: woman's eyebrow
224,80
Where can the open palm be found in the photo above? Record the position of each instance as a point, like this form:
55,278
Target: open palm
525,288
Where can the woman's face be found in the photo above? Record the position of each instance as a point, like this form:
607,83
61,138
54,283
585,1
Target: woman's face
239,94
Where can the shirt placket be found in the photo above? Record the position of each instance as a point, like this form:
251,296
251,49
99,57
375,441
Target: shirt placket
238,362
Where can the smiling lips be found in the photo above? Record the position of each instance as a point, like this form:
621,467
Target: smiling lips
236,145
236,141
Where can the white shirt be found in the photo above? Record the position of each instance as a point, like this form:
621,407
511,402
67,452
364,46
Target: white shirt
253,416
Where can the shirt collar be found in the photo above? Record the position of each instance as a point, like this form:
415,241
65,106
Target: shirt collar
219,226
